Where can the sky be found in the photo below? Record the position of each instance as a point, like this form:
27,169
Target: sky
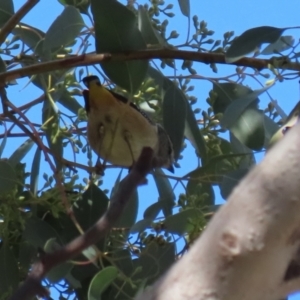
221,16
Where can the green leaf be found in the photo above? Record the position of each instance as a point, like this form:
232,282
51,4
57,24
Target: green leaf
166,194
202,190
59,272
116,30
217,166
35,171
50,120
37,232
250,40
238,148
8,177
153,210
130,212
271,128
30,36
69,102
82,5
141,226
226,93
20,153
90,207
101,281
2,66
185,7
154,260
283,43
179,223
230,180
6,11
64,30
249,129
174,115
238,106
3,143
193,133
150,35
9,275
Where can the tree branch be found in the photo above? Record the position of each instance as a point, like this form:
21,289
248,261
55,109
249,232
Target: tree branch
15,19
249,245
91,59
32,285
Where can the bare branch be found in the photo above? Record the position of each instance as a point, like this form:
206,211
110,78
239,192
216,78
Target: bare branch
91,59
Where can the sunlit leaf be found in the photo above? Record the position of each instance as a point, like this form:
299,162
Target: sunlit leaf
251,39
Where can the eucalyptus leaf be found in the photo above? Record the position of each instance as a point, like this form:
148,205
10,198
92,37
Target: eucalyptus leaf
9,275
6,11
283,43
174,116
185,7
64,30
193,133
8,177
166,194
101,281
250,40
249,129
125,36
230,180
35,171
150,35
20,152
238,106
179,223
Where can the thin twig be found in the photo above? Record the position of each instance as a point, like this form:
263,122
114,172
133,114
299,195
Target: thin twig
15,19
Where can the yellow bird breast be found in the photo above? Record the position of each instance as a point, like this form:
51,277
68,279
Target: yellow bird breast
118,132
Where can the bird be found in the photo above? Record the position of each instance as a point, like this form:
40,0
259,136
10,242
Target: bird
292,119
117,130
